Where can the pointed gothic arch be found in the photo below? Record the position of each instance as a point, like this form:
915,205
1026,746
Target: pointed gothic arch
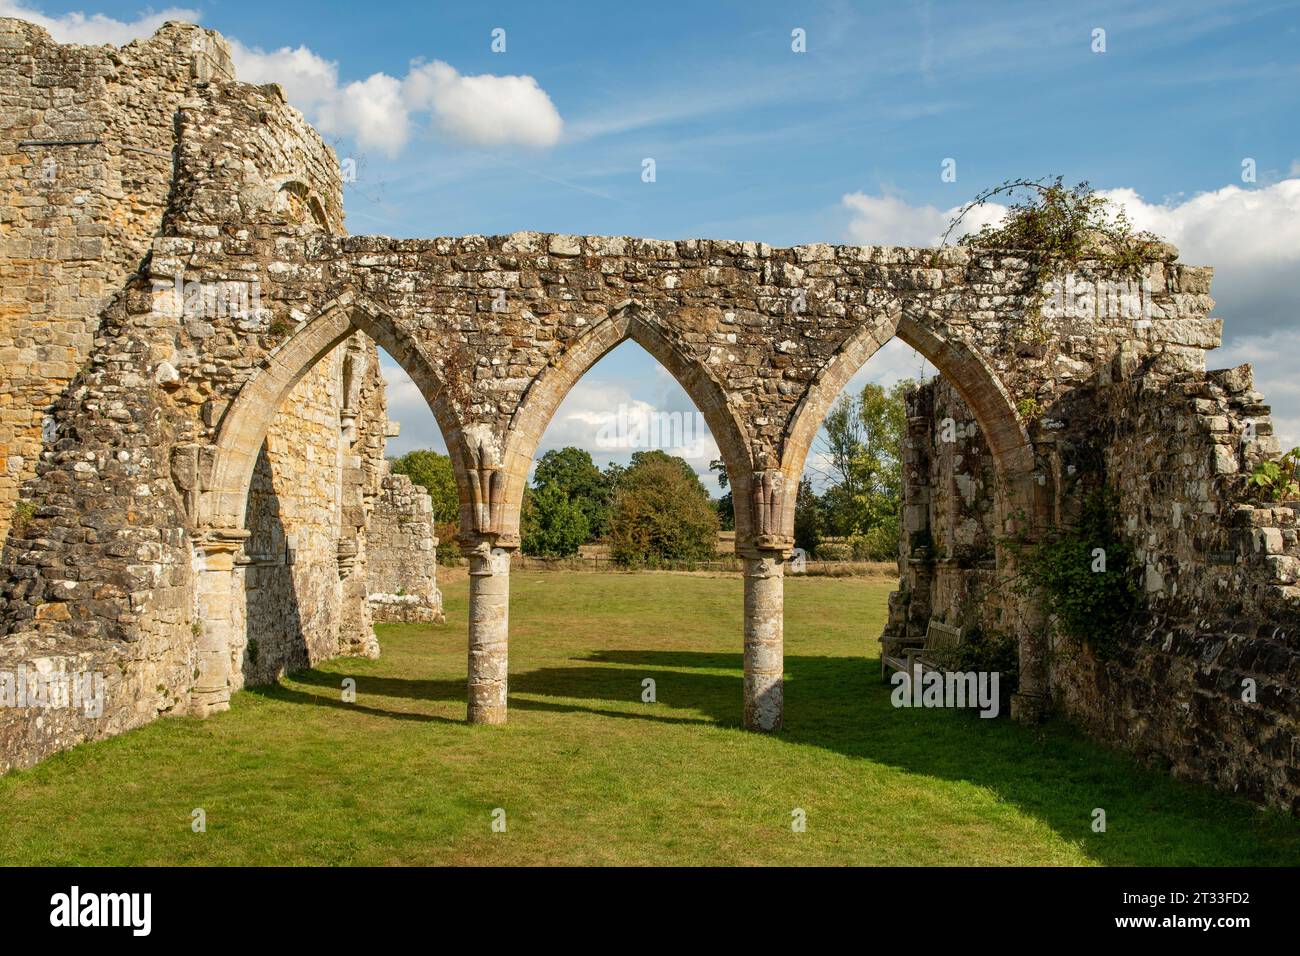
548,389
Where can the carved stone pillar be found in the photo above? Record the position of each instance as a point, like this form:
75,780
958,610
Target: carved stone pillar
489,627
764,640
1030,702
765,556
214,567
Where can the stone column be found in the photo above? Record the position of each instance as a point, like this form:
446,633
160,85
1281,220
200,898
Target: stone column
489,630
214,573
764,634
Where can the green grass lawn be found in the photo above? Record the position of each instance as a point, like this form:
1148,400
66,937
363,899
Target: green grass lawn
587,773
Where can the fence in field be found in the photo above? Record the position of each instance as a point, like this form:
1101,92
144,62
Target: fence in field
722,564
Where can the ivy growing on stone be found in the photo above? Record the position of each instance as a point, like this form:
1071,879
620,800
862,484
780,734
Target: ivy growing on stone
1085,573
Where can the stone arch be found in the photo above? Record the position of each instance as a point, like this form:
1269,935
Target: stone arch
244,425
300,203
967,370
549,388
1017,493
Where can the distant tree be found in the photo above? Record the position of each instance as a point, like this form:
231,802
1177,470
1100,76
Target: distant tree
553,524
807,518
661,512
432,472
726,505
614,473
863,446
654,454
572,472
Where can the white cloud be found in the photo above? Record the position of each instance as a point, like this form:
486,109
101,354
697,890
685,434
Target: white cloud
95,29
381,111
407,406
485,110
605,419
309,80
1250,236
889,221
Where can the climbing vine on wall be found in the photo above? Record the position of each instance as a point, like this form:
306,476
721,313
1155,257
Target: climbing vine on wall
1062,223
1086,576
1057,226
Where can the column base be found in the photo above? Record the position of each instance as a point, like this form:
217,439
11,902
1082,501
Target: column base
764,703
487,715
207,703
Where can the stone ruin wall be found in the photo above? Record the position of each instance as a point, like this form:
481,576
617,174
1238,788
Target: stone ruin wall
107,573
86,137
119,600
402,524
1218,574
299,566
949,522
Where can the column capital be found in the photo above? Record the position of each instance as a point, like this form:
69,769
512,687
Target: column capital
220,540
471,541
766,546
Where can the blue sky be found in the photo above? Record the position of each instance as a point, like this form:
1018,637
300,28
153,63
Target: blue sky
754,141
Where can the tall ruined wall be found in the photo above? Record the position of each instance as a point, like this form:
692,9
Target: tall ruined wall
403,554
1209,680
86,139
103,570
1206,680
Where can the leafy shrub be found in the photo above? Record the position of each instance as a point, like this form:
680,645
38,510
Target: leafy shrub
1278,480
876,544
554,524
24,512
1092,606
661,513
1066,223
448,547
990,651
835,551
432,472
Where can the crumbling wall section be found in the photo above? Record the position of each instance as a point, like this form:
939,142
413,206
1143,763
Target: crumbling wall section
949,522
102,563
1206,680
86,148
403,554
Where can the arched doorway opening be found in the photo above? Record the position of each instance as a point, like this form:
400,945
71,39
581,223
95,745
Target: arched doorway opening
984,421
282,522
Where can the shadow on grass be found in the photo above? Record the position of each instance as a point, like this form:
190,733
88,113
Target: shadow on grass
1050,772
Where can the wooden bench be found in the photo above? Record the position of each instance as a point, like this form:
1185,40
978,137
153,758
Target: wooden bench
913,655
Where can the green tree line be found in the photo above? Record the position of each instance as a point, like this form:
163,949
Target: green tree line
655,508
